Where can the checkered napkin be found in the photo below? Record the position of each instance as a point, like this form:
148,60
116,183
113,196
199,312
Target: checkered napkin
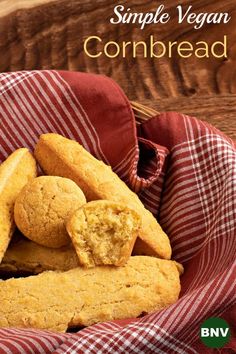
184,171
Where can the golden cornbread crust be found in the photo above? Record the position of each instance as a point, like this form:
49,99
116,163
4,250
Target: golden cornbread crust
82,297
15,172
43,206
103,232
63,157
25,256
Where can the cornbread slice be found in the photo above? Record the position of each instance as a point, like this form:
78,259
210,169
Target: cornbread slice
15,172
25,256
63,157
82,297
42,207
103,232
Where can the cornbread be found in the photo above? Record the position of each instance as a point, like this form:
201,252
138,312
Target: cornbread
63,157
103,232
82,297
43,206
44,301
15,172
25,256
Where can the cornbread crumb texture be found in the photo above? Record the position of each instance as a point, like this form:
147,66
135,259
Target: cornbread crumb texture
43,206
82,297
63,157
103,232
15,172
27,256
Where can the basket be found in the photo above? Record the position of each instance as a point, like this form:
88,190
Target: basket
184,162
142,112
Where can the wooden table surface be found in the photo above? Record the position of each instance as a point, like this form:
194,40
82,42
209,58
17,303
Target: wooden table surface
49,34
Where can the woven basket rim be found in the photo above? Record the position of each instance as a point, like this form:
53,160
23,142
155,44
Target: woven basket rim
142,112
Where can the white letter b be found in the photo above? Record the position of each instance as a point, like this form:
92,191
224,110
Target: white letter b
204,332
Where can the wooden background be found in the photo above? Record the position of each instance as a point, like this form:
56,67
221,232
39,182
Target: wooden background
46,34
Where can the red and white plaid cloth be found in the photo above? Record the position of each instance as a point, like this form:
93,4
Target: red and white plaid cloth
184,171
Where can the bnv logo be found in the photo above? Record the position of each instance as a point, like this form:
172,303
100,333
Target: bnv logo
215,332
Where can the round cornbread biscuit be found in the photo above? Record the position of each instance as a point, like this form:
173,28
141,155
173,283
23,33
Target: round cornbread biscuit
103,232
43,206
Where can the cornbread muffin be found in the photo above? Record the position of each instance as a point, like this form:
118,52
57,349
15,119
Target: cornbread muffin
43,206
63,157
25,256
82,297
103,232
15,172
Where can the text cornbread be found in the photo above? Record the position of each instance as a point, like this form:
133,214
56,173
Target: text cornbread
82,297
103,232
15,172
67,158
